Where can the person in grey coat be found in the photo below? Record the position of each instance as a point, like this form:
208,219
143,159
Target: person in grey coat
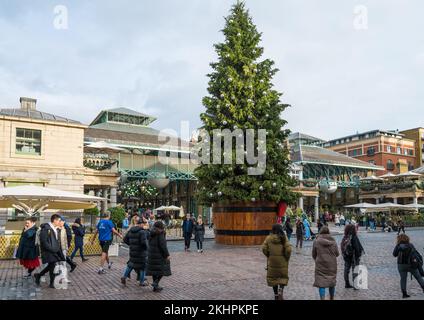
325,253
199,233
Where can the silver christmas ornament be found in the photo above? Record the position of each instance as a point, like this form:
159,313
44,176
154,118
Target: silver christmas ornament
219,193
274,184
261,188
253,199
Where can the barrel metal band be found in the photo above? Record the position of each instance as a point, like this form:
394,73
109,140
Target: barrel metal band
243,232
245,209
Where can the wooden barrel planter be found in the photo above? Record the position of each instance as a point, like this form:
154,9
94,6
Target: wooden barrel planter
243,223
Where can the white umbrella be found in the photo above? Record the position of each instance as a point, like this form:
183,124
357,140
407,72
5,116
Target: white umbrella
388,175
419,170
363,205
415,206
30,199
409,174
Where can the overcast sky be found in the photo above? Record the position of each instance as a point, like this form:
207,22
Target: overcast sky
153,56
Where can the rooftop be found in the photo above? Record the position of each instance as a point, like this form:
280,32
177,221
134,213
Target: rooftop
307,154
34,114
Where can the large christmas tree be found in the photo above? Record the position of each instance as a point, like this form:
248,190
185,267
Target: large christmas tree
241,96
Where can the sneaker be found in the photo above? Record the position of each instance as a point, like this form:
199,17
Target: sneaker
37,278
51,285
124,281
28,276
201,251
198,251
109,265
73,267
144,284
405,296
84,260
101,271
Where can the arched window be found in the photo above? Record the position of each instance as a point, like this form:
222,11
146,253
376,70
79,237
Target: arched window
390,165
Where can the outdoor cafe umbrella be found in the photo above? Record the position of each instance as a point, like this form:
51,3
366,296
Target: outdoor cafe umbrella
388,175
31,199
371,178
363,205
409,174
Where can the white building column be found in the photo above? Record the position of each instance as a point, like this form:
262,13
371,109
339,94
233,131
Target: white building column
316,208
301,203
377,200
395,200
104,203
415,200
113,197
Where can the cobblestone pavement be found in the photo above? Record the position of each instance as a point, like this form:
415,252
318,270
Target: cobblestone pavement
220,273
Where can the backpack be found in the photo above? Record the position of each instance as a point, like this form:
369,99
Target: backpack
415,259
347,247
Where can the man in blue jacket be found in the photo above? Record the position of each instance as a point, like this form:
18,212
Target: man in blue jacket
187,231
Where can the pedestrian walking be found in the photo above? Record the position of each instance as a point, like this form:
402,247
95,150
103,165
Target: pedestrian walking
79,233
300,233
158,259
28,251
409,260
307,226
342,220
137,239
199,233
65,236
288,228
337,219
352,250
383,223
277,249
106,229
51,252
187,231
401,226
325,253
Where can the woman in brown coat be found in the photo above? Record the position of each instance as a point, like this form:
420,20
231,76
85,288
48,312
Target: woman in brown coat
325,253
277,249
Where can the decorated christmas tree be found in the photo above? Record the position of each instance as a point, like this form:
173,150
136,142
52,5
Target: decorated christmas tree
241,96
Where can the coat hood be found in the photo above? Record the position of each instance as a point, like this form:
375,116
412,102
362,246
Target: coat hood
325,240
135,229
156,231
274,238
404,246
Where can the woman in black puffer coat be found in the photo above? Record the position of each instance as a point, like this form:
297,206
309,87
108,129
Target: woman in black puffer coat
137,239
158,263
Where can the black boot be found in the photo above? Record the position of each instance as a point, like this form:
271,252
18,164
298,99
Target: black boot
405,295
348,285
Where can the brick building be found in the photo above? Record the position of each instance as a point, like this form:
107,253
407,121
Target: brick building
417,134
389,149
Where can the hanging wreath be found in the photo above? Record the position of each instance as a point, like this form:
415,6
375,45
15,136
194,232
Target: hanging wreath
99,167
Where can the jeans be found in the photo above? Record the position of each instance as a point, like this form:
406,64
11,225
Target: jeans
332,291
289,235
401,228
81,250
128,271
403,271
187,239
350,264
299,240
199,245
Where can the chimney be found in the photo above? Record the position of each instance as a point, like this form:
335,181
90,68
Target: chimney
28,104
